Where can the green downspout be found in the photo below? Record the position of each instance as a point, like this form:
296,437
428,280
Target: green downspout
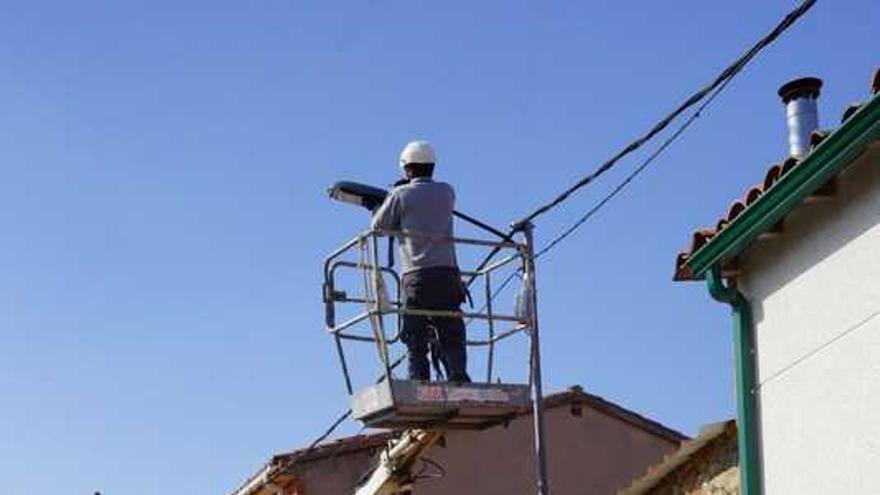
746,383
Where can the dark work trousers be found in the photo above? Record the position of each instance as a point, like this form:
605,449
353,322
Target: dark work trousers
435,288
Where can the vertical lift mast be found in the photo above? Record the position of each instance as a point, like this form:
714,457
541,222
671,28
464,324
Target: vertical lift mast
423,411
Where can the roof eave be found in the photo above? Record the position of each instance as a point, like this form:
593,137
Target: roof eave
656,474
830,157
256,483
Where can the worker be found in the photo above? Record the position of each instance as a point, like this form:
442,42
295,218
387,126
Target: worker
431,280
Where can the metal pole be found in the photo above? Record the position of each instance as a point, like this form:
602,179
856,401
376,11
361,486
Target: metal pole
491,354
537,390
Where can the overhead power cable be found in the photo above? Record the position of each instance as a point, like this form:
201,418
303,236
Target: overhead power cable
632,175
329,431
608,197
712,90
301,454
312,446
727,74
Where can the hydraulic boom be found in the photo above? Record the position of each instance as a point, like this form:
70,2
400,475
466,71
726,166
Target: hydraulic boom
394,472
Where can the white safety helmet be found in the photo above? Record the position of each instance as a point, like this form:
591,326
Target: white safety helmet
417,152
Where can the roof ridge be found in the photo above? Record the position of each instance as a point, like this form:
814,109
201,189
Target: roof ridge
625,414
573,395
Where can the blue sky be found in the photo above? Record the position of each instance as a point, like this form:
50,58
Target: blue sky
164,219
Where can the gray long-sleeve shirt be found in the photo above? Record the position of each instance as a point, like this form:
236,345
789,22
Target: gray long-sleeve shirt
422,207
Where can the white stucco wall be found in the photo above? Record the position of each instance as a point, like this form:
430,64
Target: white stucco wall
815,291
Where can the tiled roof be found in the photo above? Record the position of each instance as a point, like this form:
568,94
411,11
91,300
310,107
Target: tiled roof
703,236
574,397
340,446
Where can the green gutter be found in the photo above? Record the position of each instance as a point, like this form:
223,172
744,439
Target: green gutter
835,152
746,382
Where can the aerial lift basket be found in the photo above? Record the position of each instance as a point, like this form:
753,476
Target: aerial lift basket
397,403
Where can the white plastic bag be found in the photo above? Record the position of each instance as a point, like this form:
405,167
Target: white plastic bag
522,307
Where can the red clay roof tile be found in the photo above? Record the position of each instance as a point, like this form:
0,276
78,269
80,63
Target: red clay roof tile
700,237
851,109
817,137
773,173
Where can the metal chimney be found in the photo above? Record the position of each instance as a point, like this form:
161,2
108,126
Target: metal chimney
801,112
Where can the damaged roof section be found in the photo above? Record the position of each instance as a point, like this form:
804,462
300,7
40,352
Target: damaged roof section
760,212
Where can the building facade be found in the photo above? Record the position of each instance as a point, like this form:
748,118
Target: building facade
593,447
801,259
815,295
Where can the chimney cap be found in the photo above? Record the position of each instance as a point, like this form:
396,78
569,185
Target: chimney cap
805,86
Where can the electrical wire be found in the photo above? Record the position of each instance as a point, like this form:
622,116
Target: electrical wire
329,431
428,463
607,198
715,87
614,192
632,175
713,90
495,293
727,74
308,450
